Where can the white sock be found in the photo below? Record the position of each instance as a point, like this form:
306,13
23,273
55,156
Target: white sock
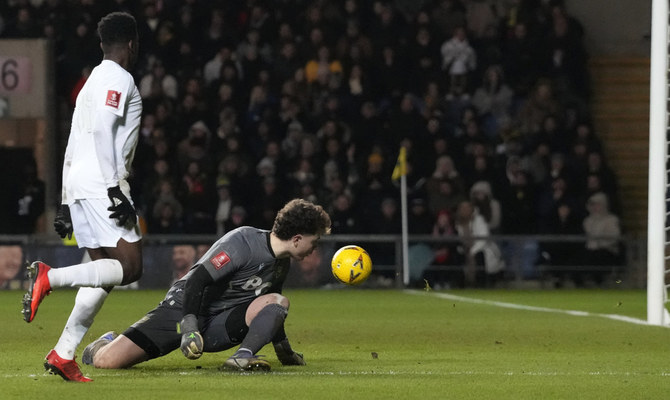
86,306
99,273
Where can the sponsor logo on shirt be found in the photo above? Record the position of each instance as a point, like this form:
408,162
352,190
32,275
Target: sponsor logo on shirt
219,260
113,98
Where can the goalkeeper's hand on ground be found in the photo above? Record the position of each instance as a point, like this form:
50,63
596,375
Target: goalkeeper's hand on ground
122,210
286,355
191,340
63,222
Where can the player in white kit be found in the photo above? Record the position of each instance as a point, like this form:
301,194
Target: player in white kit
96,201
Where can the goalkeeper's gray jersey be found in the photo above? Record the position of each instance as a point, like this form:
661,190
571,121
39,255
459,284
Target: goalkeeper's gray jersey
243,266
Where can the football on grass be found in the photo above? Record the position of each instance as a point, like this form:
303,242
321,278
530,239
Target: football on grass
351,265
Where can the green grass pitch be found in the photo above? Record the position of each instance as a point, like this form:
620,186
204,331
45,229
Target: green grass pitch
377,344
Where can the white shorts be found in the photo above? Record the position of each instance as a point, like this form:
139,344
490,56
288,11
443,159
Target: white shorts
93,228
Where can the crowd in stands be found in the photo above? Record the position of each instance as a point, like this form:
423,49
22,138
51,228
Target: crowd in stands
250,103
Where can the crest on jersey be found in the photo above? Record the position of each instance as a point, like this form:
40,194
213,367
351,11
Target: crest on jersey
113,98
219,260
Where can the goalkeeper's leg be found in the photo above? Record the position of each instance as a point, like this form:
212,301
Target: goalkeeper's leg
120,353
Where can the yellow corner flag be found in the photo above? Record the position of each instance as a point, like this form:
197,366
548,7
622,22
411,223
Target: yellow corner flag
400,165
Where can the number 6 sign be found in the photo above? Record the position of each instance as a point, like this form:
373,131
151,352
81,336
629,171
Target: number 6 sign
15,75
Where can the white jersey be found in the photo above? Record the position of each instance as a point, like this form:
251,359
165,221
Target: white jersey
104,134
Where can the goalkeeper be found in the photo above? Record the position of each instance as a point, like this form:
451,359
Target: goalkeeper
231,296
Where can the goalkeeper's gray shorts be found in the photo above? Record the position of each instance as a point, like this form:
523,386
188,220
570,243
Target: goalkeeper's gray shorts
156,333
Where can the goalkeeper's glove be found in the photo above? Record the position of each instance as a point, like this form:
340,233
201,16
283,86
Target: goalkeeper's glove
191,340
63,222
121,208
286,355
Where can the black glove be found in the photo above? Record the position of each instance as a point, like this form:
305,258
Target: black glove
286,355
63,222
191,340
121,208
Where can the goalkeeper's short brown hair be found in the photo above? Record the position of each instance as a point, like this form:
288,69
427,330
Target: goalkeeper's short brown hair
300,216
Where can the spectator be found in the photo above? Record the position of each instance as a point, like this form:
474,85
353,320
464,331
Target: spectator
518,202
481,197
81,36
212,69
224,206
584,134
197,196
271,201
166,218
23,25
565,55
404,120
419,220
600,177
183,259
559,192
238,217
385,221
539,104
443,227
366,129
192,107
160,171
552,134
357,87
390,75
488,50
167,211
343,215
563,221
458,60
194,147
387,27
218,30
11,261
520,55
603,236
480,15
423,60
287,61
167,44
493,100
158,83
443,194
484,264
445,169
446,16
323,66
29,202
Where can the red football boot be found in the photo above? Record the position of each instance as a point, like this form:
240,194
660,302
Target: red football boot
39,288
67,369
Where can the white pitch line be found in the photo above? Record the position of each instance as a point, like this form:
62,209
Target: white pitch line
576,313
204,372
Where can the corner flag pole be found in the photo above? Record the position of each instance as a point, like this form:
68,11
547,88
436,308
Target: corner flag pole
405,244
400,171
